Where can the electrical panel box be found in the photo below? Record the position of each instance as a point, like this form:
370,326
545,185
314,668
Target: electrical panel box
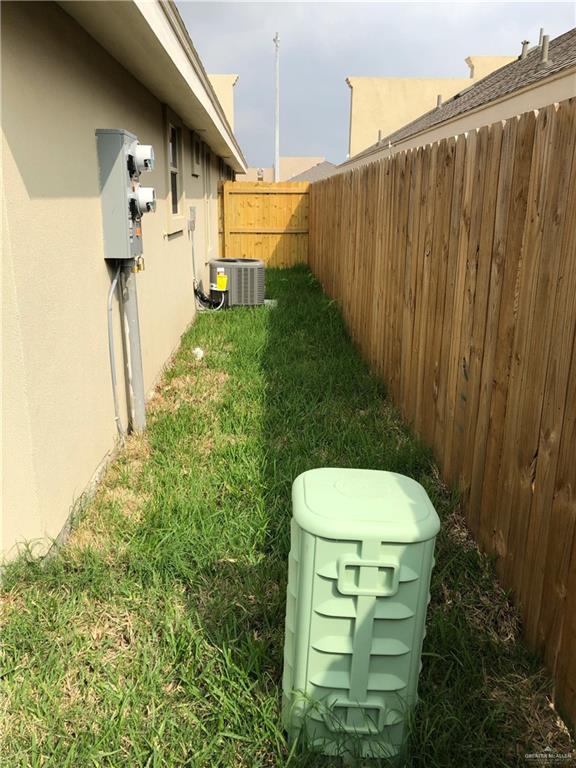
358,588
122,159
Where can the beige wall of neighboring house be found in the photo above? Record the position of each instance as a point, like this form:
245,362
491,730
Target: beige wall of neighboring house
289,166
224,88
252,174
384,104
58,86
536,96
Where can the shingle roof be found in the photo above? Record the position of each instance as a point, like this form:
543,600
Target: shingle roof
506,80
317,172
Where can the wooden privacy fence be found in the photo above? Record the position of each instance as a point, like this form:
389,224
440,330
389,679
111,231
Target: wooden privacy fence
265,221
455,265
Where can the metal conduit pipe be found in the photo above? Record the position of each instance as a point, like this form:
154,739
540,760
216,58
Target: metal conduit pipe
111,352
134,362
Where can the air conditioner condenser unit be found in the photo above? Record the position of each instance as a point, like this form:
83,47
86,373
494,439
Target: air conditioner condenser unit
245,281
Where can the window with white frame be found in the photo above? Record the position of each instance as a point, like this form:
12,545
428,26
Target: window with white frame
174,164
196,147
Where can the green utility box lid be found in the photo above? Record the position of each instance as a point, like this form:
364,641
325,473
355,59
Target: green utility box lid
363,503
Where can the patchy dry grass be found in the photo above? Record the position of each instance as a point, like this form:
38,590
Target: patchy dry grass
199,387
154,638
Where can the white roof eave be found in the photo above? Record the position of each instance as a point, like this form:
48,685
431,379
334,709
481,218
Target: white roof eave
148,39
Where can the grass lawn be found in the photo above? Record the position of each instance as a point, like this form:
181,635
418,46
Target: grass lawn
154,637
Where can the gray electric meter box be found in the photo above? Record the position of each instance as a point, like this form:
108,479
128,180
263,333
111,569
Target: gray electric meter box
358,588
121,159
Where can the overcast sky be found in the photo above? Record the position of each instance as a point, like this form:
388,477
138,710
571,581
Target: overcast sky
322,43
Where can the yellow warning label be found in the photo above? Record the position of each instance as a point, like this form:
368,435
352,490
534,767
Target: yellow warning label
222,281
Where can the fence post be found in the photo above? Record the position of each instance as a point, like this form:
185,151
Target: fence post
225,219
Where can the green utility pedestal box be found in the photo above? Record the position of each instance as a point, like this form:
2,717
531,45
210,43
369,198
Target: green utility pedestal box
358,587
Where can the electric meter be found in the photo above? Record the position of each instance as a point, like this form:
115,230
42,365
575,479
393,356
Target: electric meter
143,157
145,200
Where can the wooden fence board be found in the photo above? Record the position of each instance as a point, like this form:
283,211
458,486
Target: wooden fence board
498,246
478,346
490,532
410,281
442,425
441,244
521,432
464,386
424,171
425,293
455,265
454,363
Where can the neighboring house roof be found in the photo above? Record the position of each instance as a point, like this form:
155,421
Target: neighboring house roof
503,82
150,40
317,172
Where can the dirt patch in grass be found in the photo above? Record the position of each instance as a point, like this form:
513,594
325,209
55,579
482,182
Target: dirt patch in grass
198,388
136,451
11,603
130,502
75,690
121,495
111,631
129,463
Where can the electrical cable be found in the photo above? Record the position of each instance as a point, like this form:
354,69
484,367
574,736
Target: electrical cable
111,352
203,302
207,303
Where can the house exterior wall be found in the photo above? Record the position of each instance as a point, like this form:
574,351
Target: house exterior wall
552,91
387,103
58,86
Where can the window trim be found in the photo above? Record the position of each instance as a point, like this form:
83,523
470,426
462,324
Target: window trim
175,222
174,166
196,154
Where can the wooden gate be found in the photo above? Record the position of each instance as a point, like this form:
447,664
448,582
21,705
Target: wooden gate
265,221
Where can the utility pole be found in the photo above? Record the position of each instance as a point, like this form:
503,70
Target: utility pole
276,42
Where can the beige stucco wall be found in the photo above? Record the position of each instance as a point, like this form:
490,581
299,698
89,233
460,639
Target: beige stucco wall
384,104
58,86
290,165
224,88
555,89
